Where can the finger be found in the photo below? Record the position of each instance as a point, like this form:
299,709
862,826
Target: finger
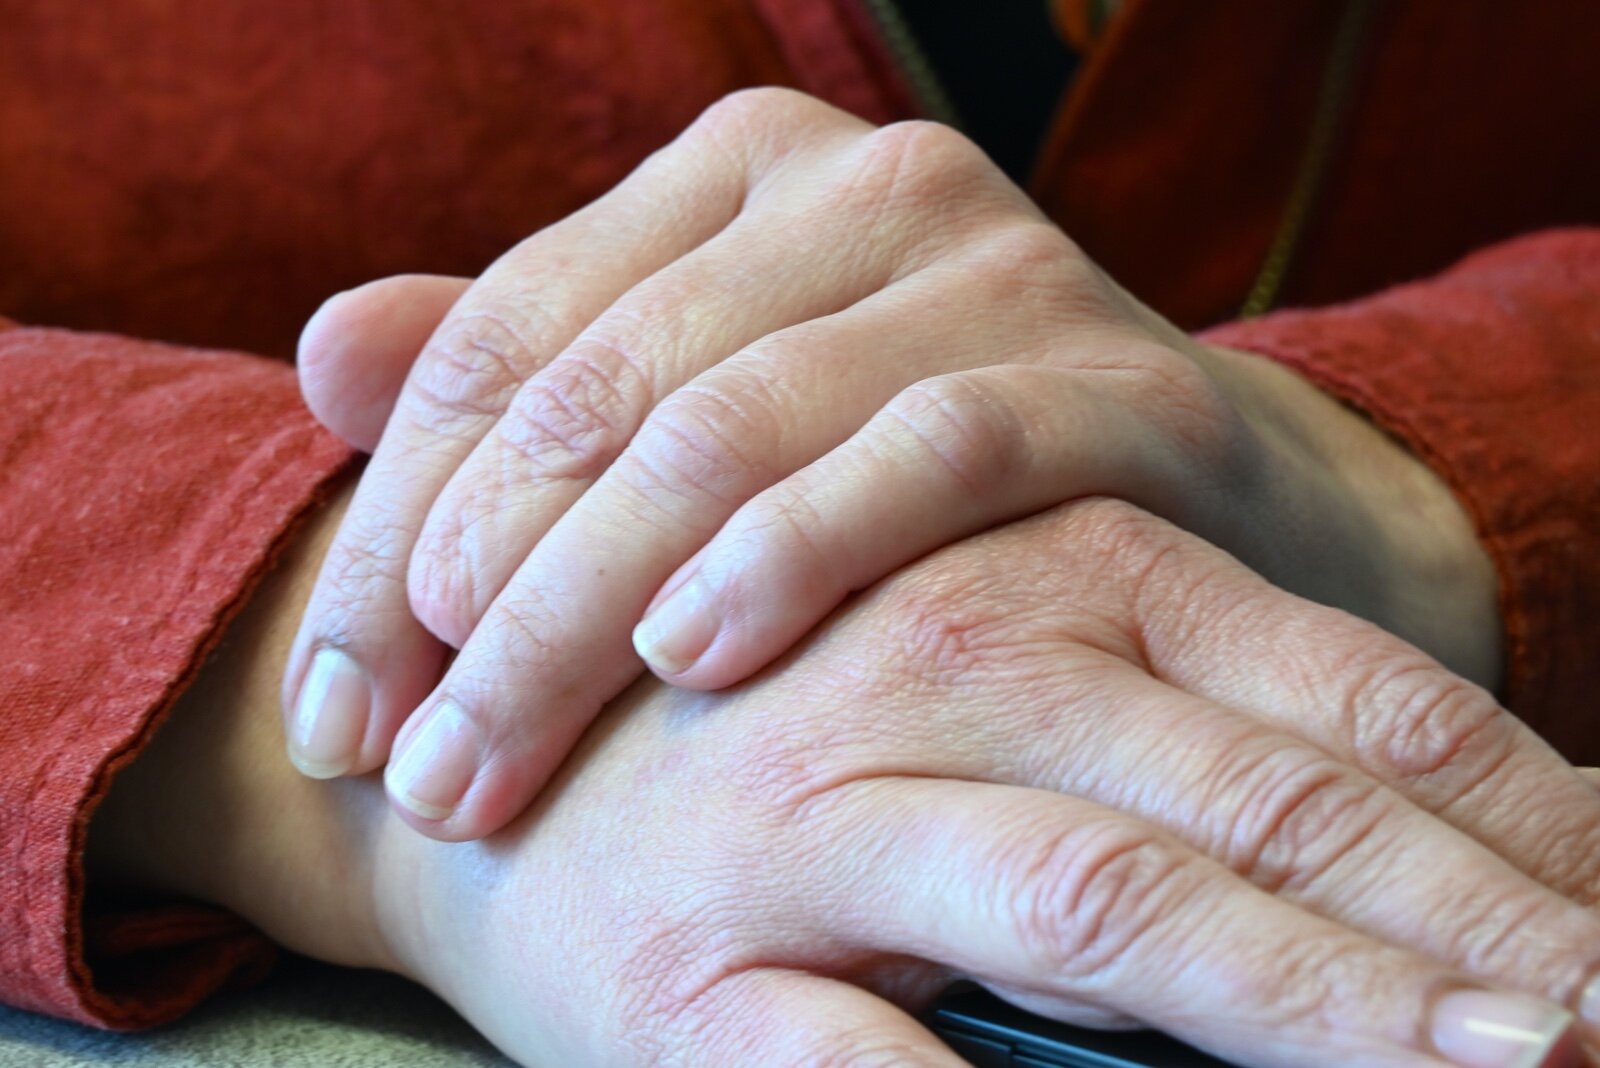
1379,704
788,1019
946,458
1590,775
564,619
562,622
574,419
373,662
356,350
1044,892
793,257
1302,825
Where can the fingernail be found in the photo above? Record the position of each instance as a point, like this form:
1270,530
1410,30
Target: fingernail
1589,1007
437,764
330,718
1483,1029
679,630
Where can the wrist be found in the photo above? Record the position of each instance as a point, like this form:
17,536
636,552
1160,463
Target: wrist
211,811
1389,539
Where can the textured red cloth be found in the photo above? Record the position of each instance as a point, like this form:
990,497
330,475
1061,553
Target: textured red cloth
143,489
1491,373
208,173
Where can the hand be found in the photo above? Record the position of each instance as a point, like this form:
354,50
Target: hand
1106,771
787,356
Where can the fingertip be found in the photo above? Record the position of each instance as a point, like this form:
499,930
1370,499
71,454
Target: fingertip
357,348
679,629
330,715
700,635
445,782
465,823
717,669
435,763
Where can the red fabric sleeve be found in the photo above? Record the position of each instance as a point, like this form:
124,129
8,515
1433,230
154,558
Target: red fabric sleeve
143,491
1491,374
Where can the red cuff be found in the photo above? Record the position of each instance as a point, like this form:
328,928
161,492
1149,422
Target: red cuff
1491,374
143,492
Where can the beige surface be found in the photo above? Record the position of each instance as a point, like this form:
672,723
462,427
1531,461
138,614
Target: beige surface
305,1015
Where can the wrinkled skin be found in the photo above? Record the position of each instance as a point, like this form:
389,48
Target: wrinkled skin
789,355
1086,759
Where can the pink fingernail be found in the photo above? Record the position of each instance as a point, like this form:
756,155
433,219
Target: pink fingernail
680,629
1589,1009
1484,1029
330,716
431,773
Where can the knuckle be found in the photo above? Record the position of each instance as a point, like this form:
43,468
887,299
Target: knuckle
951,627
1147,569
967,424
1182,398
1087,899
784,525
1418,723
572,420
520,639
471,369
356,584
447,581
1032,256
920,162
921,139
1492,928
745,113
709,441
1294,816
1309,984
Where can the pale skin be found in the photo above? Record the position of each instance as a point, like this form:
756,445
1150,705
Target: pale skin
1087,759
789,355
1318,849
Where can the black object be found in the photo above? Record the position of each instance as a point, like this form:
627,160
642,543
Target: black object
1003,66
992,1034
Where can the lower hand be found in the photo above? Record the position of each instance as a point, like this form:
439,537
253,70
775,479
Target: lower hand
1107,772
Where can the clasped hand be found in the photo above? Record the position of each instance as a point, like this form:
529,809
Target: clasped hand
1087,759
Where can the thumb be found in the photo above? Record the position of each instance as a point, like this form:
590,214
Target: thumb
356,351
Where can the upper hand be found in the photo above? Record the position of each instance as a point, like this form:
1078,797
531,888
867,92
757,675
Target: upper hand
788,355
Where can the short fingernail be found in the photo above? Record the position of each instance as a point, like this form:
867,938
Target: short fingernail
1484,1029
1589,1007
330,717
680,630
437,764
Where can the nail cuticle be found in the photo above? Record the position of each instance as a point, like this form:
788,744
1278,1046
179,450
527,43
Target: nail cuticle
434,769
330,716
1489,1029
679,630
